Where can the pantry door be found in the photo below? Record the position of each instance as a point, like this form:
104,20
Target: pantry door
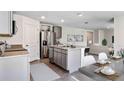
31,39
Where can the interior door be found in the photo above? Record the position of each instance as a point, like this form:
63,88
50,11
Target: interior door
31,40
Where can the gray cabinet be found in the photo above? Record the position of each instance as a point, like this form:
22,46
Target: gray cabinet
58,31
69,59
5,23
51,54
64,61
55,56
60,57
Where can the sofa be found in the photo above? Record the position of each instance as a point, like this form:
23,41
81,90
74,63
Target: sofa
96,49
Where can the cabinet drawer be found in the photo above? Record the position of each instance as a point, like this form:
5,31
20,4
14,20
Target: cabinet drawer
64,51
57,50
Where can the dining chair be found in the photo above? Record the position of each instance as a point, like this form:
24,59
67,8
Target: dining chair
88,60
102,56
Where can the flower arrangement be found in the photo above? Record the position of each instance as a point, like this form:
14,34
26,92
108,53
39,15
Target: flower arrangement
121,52
111,51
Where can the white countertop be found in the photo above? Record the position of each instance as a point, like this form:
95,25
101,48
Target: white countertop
67,48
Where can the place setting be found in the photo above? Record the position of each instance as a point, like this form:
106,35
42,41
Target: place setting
106,70
103,63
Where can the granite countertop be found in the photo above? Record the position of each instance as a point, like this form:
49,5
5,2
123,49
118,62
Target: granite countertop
67,48
15,50
15,53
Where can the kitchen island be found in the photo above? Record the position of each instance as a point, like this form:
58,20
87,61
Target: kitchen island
66,57
15,66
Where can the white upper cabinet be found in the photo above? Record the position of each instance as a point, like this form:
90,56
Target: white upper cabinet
5,23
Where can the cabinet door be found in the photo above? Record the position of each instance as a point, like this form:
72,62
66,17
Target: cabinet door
64,61
31,39
50,52
5,23
55,57
59,60
58,31
14,69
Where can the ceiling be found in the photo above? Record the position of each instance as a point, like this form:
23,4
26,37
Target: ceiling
95,19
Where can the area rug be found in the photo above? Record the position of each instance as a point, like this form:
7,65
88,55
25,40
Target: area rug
41,72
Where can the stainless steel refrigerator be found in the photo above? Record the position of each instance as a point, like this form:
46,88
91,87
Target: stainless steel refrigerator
47,38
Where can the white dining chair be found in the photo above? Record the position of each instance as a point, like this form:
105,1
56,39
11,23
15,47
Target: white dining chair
88,60
102,56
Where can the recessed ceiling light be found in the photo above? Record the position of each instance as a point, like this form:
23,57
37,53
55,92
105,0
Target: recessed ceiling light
85,22
62,20
108,27
79,14
43,17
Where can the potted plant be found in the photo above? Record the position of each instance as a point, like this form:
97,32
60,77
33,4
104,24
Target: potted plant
104,42
111,51
121,52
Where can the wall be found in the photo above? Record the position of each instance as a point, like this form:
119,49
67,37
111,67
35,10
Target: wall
101,36
18,38
96,36
73,31
119,32
108,36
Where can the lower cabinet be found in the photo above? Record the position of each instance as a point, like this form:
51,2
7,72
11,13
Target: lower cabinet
64,61
60,58
51,55
55,57
69,59
15,68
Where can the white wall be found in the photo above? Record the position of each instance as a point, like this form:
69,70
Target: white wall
18,38
96,37
27,35
73,31
108,36
119,32
101,36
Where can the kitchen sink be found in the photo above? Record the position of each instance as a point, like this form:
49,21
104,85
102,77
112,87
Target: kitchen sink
71,46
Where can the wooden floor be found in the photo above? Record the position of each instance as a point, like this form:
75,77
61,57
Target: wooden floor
65,75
